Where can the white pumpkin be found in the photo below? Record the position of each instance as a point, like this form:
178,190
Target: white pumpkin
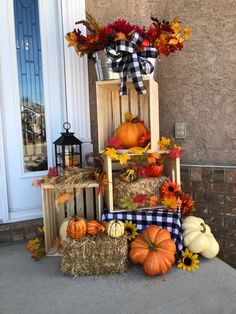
213,248
115,228
63,229
198,237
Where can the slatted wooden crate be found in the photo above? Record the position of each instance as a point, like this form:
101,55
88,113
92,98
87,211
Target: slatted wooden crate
171,170
111,109
85,201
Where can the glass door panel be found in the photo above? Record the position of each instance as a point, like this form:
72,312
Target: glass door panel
29,62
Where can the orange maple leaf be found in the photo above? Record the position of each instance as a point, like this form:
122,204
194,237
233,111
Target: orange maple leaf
63,198
153,201
153,157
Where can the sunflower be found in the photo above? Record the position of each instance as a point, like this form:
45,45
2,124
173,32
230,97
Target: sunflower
169,189
188,261
131,230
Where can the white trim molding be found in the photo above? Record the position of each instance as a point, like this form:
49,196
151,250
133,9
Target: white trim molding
4,214
76,73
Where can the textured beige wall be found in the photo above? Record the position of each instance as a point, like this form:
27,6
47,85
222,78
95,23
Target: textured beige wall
197,85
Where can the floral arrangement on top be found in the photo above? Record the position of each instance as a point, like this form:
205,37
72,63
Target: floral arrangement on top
128,46
163,35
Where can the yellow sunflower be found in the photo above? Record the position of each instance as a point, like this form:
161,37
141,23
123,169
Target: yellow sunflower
188,261
130,230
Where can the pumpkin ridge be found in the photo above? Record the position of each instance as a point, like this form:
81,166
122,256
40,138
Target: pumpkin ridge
164,250
161,240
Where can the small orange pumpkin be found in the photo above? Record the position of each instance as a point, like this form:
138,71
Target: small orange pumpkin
94,227
130,132
154,249
155,170
76,227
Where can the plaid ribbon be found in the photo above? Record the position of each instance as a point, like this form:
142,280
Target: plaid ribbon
162,218
127,58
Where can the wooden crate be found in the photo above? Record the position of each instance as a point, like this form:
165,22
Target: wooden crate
171,170
86,201
111,109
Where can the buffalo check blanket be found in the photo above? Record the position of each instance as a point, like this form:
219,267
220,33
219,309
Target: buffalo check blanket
162,218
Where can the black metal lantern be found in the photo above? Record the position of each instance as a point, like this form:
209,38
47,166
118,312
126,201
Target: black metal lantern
68,149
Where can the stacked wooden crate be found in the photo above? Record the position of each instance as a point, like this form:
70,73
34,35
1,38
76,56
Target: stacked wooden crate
110,111
85,202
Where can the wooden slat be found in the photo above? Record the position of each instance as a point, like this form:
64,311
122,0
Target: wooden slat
98,202
124,106
89,203
80,202
115,109
133,96
108,115
144,111
109,192
46,217
154,115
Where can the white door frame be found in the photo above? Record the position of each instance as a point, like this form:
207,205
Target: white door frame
67,64
4,214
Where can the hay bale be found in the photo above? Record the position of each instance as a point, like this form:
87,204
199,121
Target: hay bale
94,255
148,186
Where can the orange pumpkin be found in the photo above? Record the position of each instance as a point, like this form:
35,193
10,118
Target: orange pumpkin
154,249
76,227
130,132
94,227
155,170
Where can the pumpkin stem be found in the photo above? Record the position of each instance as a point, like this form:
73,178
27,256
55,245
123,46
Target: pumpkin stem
145,238
203,226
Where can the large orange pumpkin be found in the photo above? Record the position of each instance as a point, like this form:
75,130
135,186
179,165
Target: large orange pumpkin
76,227
154,249
129,133
94,227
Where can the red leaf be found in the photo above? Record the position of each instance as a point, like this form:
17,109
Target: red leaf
140,198
175,153
52,172
114,142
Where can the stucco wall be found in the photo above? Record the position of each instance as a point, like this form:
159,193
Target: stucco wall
197,85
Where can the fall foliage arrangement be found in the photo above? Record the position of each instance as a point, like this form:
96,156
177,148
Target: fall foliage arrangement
165,36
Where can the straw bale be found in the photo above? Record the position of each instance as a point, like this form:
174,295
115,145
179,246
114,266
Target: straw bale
148,186
94,255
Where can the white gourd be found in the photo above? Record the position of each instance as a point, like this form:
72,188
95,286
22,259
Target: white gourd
115,228
198,237
213,248
63,229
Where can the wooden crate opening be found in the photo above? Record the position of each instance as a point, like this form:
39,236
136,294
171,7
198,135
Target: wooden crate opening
85,201
171,170
111,109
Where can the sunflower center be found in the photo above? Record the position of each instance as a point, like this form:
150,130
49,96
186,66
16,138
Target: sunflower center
171,189
187,261
128,230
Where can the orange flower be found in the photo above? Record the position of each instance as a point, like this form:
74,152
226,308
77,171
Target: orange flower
169,189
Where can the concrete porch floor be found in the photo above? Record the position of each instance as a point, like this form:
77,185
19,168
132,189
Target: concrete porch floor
39,287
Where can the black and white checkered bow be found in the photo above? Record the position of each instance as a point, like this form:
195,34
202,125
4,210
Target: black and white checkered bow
127,58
